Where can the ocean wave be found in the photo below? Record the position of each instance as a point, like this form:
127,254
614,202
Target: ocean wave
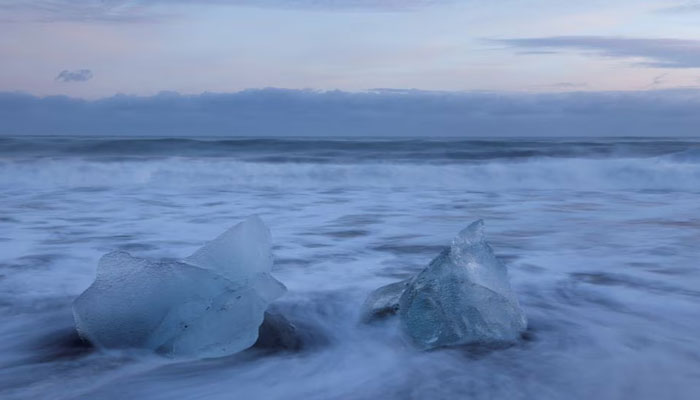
340,150
686,156
657,173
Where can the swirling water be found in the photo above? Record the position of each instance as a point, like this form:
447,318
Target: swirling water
601,238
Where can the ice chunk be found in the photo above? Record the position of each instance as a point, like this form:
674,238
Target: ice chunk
383,302
207,305
462,297
238,253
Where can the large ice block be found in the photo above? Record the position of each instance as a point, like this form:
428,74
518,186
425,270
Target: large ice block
462,297
208,305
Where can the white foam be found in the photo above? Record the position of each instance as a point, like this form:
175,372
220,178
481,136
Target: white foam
660,173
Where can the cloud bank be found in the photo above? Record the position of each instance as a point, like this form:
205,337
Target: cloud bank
277,112
659,52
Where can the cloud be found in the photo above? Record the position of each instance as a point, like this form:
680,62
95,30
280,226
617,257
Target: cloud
537,52
568,85
80,75
149,10
681,9
658,80
77,10
660,52
388,5
279,112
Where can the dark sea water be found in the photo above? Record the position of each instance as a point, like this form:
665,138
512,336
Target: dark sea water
601,238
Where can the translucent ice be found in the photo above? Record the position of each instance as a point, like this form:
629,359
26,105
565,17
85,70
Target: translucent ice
462,297
208,305
383,302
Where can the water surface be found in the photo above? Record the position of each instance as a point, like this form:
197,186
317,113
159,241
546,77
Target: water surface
600,237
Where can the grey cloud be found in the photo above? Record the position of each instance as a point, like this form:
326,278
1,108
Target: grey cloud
660,52
658,80
680,9
278,112
80,75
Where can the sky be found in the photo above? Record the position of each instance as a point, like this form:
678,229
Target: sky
101,52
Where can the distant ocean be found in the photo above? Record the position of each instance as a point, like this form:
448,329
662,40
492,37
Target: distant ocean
601,238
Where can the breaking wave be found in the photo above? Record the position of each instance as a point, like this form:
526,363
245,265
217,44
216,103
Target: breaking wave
676,172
